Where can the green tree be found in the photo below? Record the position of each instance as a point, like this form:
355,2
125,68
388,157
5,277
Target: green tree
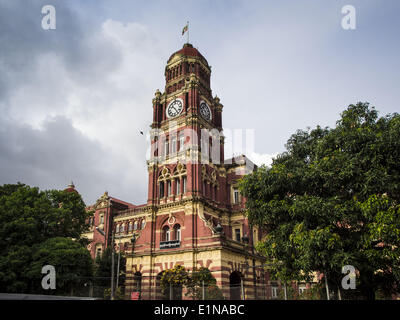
102,273
28,219
72,262
174,279
332,199
203,277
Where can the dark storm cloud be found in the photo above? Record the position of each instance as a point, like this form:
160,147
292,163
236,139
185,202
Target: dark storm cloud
23,41
56,153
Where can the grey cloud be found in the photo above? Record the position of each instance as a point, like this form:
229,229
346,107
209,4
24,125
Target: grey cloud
58,153
24,42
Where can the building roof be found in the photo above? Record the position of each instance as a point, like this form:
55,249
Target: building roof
188,50
130,205
71,188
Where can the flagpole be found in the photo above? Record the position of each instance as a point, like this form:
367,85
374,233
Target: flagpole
188,32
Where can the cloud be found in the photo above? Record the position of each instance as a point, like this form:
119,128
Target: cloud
74,103
262,159
276,68
56,154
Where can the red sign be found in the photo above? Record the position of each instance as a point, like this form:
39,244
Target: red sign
135,295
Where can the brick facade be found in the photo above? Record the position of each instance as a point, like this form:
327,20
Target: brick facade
191,192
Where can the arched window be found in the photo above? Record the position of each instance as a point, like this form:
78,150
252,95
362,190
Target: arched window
122,228
184,185
161,189
117,228
135,225
130,226
143,224
169,188
178,186
177,232
166,234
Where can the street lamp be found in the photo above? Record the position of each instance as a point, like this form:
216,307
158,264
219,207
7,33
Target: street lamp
133,240
245,240
112,259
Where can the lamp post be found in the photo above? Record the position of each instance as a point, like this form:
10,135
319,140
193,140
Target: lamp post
133,240
112,260
112,265
119,258
245,240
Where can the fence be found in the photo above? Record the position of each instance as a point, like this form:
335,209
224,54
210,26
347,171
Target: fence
145,287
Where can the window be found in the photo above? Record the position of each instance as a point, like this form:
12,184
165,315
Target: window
166,147
161,189
155,146
237,235
166,235
184,185
235,195
130,226
143,224
178,186
169,188
122,228
177,232
181,141
173,145
135,225
274,292
101,219
117,228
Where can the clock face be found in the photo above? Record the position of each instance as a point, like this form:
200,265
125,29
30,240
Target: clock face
174,108
205,110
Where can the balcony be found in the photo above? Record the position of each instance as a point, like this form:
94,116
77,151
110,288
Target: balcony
170,244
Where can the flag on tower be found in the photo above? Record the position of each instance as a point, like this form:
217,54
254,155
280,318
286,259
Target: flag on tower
185,28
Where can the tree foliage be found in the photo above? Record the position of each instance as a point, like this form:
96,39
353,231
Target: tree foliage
203,277
102,273
34,223
332,199
176,278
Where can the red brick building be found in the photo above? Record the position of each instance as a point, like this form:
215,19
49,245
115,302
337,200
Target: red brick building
194,215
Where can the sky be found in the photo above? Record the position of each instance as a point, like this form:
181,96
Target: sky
73,99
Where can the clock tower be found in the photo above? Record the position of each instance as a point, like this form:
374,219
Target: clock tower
194,215
186,133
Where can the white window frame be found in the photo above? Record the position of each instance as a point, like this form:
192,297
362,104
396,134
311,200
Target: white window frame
236,195
181,141
166,147
173,145
169,187
274,292
184,181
